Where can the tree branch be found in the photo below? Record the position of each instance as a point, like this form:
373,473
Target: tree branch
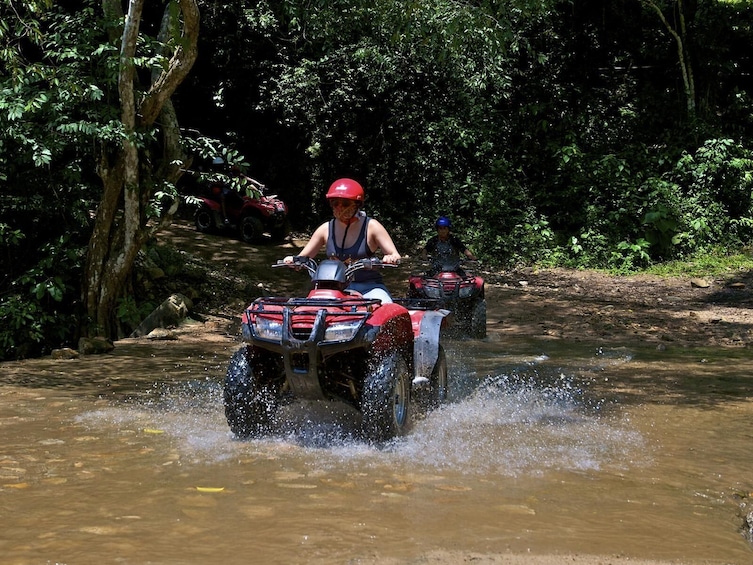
179,66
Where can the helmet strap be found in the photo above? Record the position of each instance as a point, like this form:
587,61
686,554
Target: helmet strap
348,223
345,234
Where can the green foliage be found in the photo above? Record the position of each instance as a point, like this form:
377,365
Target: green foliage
704,202
400,96
717,262
38,307
23,326
52,84
232,173
718,181
539,126
10,237
60,132
630,256
130,313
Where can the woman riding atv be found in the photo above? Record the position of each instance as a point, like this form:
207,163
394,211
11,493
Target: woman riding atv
352,235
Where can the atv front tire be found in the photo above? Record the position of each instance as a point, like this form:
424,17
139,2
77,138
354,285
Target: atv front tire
251,229
250,406
385,405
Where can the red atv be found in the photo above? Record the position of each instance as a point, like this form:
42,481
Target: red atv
250,216
451,287
385,360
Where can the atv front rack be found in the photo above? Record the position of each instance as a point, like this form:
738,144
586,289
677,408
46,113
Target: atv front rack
347,305
301,326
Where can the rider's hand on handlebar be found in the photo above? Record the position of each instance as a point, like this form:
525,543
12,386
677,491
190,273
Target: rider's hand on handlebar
299,262
393,258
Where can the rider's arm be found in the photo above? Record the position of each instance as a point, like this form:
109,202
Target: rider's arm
257,185
317,241
378,238
460,246
430,247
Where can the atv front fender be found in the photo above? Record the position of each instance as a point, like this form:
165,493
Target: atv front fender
426,344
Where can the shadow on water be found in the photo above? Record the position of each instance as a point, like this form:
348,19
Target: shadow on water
595,377
635,374
134,367
701,377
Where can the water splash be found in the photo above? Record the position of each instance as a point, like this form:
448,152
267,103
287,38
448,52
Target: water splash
527,420
510,425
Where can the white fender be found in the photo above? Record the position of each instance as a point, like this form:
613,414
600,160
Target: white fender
426,345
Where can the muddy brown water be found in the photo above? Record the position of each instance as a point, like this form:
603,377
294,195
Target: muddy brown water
545,448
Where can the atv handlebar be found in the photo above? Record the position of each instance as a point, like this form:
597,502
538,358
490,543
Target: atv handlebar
299,262
302,262
369,263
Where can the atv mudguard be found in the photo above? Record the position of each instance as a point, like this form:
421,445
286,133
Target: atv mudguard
211,203
426,344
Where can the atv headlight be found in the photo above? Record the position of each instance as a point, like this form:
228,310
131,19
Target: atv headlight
466,291
342,331
433,291
268,329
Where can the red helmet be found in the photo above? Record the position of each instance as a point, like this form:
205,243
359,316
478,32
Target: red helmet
346,188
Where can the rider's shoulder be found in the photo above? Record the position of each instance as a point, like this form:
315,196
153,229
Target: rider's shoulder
372,222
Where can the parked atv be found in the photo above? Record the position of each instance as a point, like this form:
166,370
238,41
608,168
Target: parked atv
455,289
248,215
335,345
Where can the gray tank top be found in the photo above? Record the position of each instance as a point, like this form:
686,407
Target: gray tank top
359,250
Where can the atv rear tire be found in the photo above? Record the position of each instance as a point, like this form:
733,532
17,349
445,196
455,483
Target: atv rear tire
250,406
431,396
439,380
251,229
279,233
204,219
386,405
478,319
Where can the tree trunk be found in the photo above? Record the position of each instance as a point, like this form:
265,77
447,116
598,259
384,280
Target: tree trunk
120,225
680,36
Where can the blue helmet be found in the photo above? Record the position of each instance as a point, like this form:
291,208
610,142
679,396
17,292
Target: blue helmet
444,222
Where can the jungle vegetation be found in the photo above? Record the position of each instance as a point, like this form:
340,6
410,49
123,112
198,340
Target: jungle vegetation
579,133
